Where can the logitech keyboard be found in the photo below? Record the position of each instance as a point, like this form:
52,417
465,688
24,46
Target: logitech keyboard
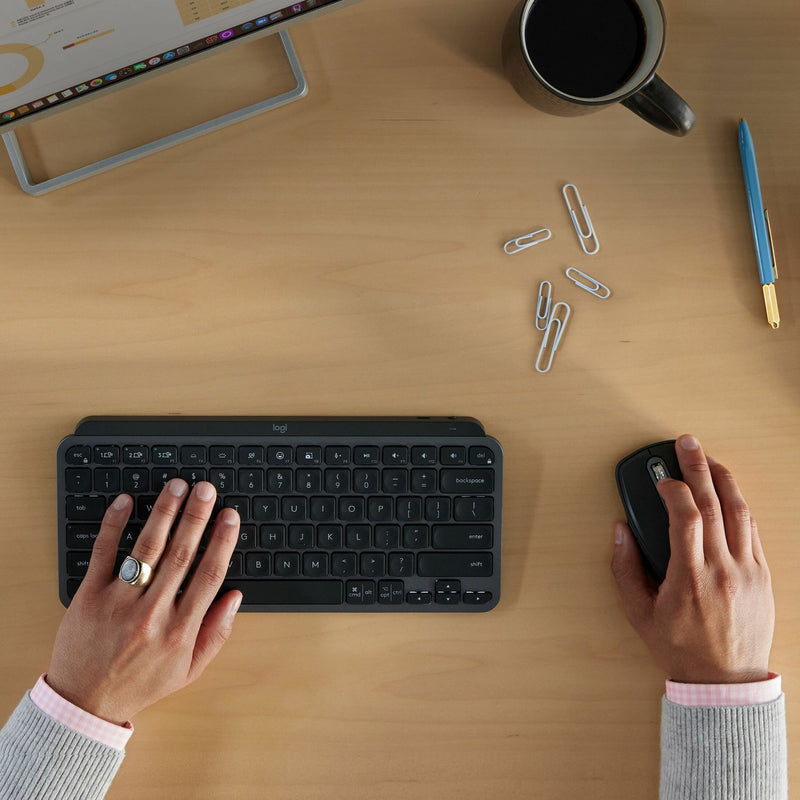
338,514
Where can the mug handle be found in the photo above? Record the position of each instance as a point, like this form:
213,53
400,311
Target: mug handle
660,105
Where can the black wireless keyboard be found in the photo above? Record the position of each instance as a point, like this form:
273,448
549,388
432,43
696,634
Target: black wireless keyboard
338,514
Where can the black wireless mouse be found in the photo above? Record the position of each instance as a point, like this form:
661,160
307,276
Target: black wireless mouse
637,475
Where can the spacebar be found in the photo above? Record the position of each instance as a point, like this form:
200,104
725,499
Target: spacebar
269,592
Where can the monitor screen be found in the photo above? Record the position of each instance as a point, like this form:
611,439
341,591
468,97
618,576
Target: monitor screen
53,52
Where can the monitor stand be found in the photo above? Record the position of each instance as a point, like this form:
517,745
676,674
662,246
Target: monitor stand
24,175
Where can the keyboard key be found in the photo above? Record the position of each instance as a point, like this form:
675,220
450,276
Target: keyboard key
288,592
453,456
477,598
337,481
473,509
83,509
415,537
390,592
222,480
78,564
351,509
387,537
418,598
322,509
301,537
401,565
309,454
337,456
315,565
265,509
279,456
251,455
395,456
461,537
135,454
165,455
357,537
78,480
106,454
343,565
193,455
437,509
308,480
79,455
107,480
286,565
251,481
192,475
160,478
481,456
423,481
329,537
423,456
273,537
279,481
82,536
294,509
257,565
360,592
373,565
366,455
380,509
222,455
365,480
454,565
477,481
395,481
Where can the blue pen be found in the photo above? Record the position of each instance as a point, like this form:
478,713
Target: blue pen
759,221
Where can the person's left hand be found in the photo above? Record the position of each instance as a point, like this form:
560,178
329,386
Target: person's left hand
120,647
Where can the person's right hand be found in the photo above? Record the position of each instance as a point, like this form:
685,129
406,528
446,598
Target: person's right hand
119,647
712,619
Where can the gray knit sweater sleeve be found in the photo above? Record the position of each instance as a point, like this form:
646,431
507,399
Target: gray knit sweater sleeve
41,759
723,753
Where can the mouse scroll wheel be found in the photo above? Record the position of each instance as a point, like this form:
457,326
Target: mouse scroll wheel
658,469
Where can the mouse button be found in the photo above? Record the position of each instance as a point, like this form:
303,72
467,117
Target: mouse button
638,492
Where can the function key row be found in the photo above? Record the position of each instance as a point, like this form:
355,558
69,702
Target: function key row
278,455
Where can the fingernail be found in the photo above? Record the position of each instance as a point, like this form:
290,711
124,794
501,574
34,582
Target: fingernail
235,607
619,534
688,443
178,487
229,516
121,502
205,491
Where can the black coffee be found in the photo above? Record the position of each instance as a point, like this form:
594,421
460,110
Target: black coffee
585,48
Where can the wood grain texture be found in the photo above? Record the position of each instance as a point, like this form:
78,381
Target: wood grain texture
342,255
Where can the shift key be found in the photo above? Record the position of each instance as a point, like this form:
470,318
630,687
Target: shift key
454,565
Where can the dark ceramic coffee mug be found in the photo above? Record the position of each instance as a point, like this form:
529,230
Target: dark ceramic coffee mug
571,57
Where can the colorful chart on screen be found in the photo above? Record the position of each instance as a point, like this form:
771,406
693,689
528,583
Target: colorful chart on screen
52,51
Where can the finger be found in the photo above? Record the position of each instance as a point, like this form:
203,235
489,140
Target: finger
735,512
214,631
758,550
182,548
685,526
697,476
104,553
210,572
151,542
635,588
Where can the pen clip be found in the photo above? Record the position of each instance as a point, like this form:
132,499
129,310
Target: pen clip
771,244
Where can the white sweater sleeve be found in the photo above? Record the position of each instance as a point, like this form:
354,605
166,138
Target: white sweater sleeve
41,759
724,752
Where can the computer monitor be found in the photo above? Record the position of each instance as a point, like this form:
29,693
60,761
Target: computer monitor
55,53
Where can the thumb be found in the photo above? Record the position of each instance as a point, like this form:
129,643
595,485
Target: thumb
638,595
214,632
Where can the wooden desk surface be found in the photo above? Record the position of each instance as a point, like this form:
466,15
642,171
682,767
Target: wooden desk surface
342,255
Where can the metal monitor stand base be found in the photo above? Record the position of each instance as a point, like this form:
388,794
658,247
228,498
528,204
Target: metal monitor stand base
33,188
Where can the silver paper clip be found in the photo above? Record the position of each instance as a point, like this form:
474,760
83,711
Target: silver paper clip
527,240
590,235
552,337
588,283
543,305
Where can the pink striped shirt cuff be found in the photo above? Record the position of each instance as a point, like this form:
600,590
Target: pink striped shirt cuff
725,694
61,710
